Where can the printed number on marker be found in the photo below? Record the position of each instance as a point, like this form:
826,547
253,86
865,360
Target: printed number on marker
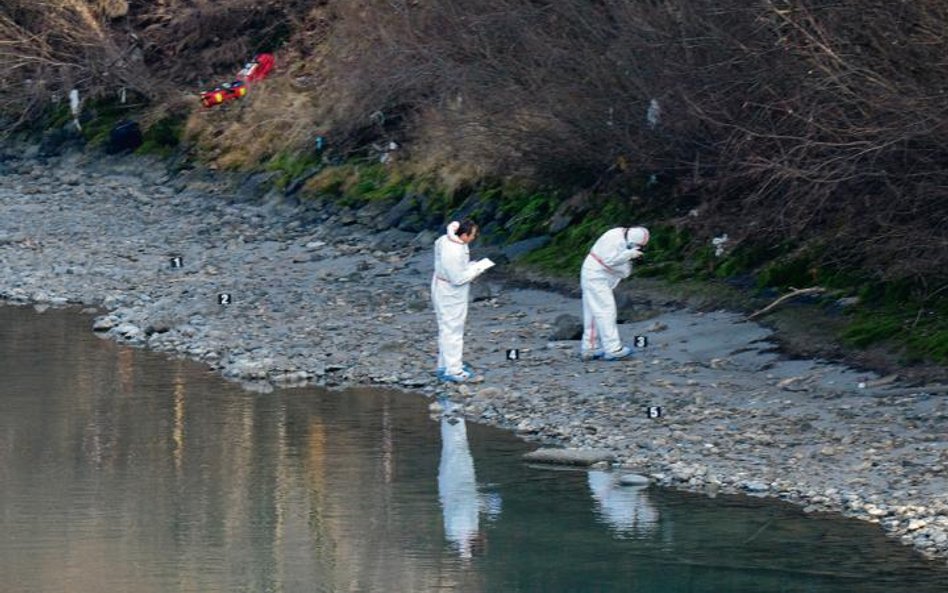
177,262
224,299
513,354
640,341
654,411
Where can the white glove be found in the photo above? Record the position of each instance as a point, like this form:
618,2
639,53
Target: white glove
636,253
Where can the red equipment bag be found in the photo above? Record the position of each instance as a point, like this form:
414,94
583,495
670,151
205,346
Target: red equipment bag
257,69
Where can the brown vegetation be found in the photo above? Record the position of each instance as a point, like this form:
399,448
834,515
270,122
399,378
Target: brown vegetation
154,49
821,125
48,47
776,121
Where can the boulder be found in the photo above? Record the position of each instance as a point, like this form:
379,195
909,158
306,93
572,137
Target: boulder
126,136
567,327
577,457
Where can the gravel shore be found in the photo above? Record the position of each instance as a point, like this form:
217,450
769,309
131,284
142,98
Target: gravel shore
271,293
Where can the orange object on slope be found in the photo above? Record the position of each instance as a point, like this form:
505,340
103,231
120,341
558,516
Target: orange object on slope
224,93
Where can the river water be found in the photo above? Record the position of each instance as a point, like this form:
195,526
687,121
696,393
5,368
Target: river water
123,470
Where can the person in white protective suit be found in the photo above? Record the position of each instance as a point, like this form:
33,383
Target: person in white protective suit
457,487
626,509
462,502
450,288
608,262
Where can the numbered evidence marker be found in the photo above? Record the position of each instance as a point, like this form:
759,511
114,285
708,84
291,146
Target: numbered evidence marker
224,298
177,262
513,354
654,412
640,341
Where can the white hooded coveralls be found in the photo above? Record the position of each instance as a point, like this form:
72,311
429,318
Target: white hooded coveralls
626,508
457,487
608,262
450,287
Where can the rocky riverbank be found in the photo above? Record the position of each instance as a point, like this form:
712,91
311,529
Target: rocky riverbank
269,292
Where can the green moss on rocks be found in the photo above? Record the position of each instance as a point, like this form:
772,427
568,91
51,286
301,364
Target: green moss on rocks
163,137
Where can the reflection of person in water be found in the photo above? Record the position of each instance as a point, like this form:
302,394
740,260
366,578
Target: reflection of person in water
625,508
457,489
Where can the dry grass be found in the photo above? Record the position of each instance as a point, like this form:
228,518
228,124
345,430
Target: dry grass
273,118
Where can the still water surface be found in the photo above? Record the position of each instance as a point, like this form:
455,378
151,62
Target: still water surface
124,471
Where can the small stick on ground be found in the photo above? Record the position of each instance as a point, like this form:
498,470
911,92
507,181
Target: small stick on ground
790,295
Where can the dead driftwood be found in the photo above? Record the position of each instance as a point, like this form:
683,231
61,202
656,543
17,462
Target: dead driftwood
795,293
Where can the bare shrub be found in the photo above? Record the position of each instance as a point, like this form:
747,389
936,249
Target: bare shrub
787,120
52,46
521,86
155,49
832,131
198,42
113,8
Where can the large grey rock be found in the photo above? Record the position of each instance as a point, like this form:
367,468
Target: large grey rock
390,240
567,327
253,186
57,141
425,239
521,248
373,214
394,216
634,480
297,184
581,457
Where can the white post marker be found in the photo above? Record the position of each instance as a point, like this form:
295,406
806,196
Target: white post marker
654,412
74,107
224,298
